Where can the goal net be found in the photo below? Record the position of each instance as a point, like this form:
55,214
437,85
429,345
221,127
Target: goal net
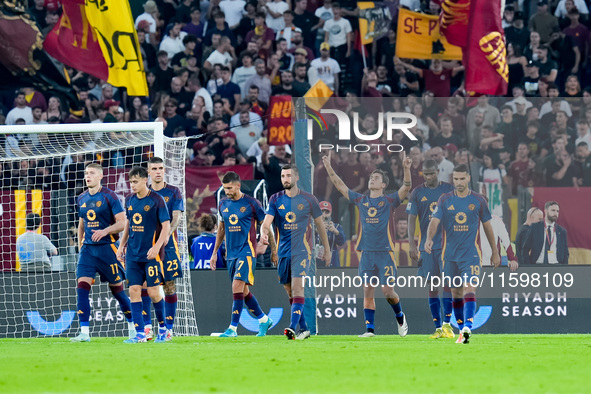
43,172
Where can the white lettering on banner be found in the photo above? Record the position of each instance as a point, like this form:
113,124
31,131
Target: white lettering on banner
546,304
344,311
105,309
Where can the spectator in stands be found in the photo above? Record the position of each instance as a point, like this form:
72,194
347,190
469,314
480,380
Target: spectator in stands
416,168
522,170
233,11
245,71
531,51
221,28
181,59
300,82
37,113
517,34
338,33
285,59
583,132
272,166
34,249
547,67
275,10
286,85
437,78
335,233
534,144
151,15
297,42
38,12
534,215
162,71
446,136
246,133
246,23
182,97
254,119
584,164
262,82
229,157
327,68
262,34
173,42
20,111
228,89
565,6
543,22
531,80
508,15
223,55
203,156
492,117
445,166
288,30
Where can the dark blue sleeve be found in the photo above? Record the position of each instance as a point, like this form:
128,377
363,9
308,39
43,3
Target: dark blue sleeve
114,202
259,211
177,201
484,211
396,199
272,208
163,215
315,207
439,209
127,211
340,238
411,207
353,196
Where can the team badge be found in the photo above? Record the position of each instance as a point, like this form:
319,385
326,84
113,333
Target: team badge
300,206
371,212
166,199
137,218
146,208
98,204
461,217
290,217
233,219
471,207
381,204
242,209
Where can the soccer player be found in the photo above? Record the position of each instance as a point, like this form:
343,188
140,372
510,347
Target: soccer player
375,240
291,210
239,215
422,203
101,220
142,243
460,214
172,261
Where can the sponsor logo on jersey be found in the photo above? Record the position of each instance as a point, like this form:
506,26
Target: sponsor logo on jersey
451,208
423,199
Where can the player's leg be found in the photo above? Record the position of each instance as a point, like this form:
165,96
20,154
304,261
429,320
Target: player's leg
172,271
299,266
429,267
85,272
388,280
147,312
447,301
136,276
367,271
154,273
238,287
253,306
471,271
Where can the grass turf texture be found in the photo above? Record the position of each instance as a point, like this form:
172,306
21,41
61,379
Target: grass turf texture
489,364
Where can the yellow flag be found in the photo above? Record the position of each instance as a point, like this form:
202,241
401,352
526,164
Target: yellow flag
112,21
418,38
318,95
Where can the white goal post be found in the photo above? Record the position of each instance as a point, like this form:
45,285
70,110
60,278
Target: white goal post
40,170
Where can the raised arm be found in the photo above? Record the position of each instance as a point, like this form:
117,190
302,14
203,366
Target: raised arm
334,178
407,181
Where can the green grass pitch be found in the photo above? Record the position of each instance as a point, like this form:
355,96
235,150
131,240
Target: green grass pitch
343,364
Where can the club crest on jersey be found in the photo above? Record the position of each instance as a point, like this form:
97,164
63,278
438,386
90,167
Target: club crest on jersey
300,206
166,199
137,218
371,212
461,217
290,217
146,208
242,209
381,204
471,207
233,219
98,204
91,215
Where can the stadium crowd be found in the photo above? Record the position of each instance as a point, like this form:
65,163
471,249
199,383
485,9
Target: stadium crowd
212,66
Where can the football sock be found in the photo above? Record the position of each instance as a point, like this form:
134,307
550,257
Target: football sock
123,299
170,309
447,304
398,310
237,306
303,324
369,316
138,319
297,309
435,306
458,305
146,306
83,292
469,309
159,309
253,306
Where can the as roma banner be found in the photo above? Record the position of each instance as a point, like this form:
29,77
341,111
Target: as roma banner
279,112
574,217
375,19
485,55
201,184
418,37
453,21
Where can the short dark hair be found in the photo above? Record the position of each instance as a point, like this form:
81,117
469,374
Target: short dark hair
260,15
383,174
504,107
206,222
155,160
291,167
231,177
430,164
550,203
189,38
33,221
461,168
254,87
139,172
582,143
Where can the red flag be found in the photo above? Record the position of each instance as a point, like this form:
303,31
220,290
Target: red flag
453,21
74,42
279,112
485,54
